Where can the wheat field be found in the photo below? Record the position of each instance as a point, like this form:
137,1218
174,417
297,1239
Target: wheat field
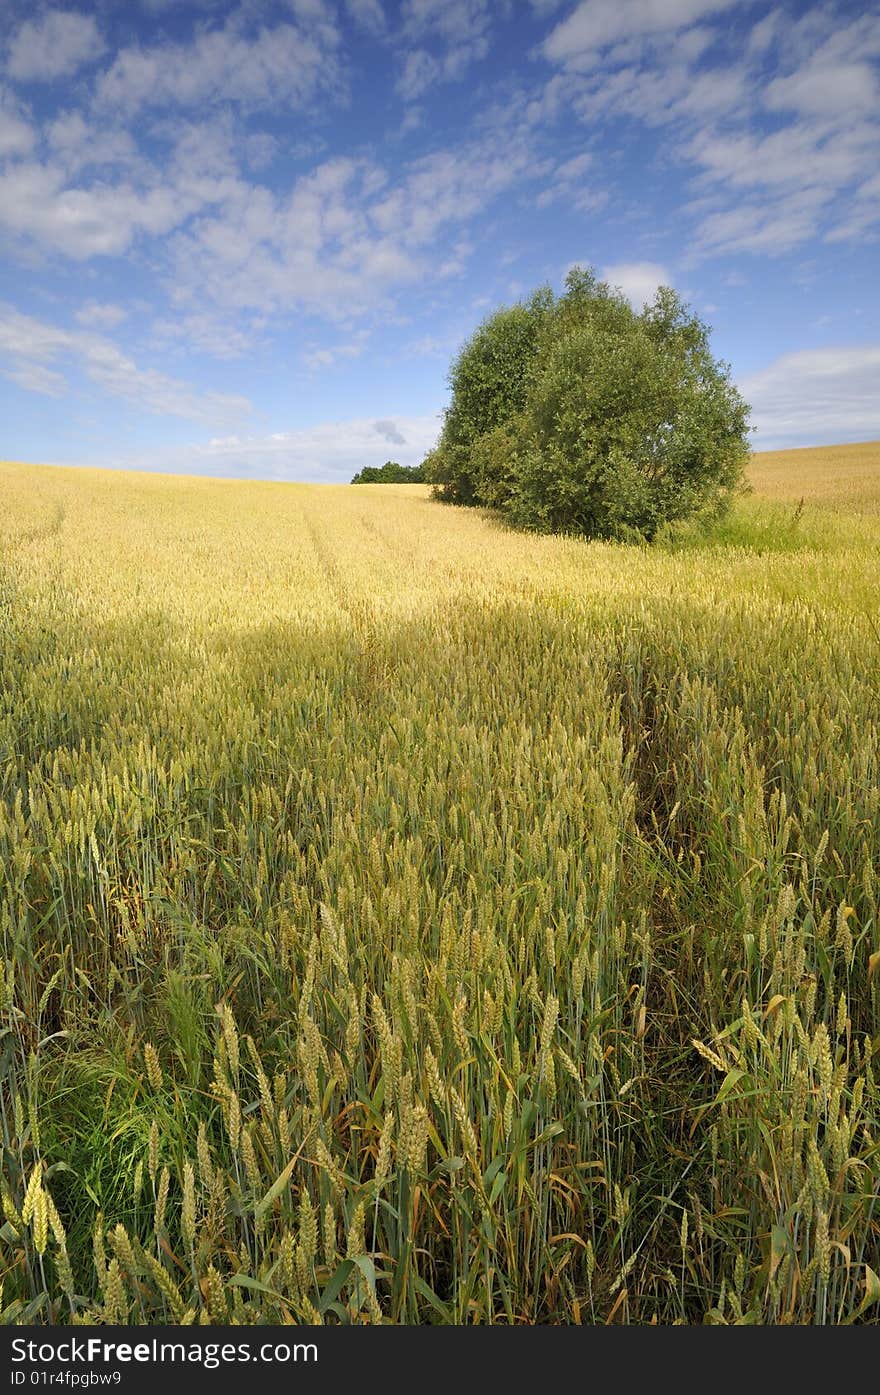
845,478
406,920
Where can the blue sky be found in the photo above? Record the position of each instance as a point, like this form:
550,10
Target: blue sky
246,239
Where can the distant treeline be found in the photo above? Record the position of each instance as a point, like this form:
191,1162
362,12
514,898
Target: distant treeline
391,473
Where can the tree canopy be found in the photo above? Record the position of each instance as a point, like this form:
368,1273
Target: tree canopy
577,414
391,473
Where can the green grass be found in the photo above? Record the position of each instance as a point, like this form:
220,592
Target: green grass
762,525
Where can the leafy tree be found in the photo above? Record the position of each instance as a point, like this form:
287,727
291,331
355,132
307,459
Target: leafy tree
489,379
391,473
615,422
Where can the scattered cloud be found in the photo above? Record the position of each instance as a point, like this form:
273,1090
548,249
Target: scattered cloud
595,25
53,46
771,227
445,38
282,66
763,34
368,14
830,75
637,280
341,238
347,234
420,70
94,193
29,346
217,335
824,90
328,453
17,136
453,22
38,204
327,357
35,377
802,155
206,177
76,144
800,128
567,183
97,316
656,94
389,431
815,396
429,345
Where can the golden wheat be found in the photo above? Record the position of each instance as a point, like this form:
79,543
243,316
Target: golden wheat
408,920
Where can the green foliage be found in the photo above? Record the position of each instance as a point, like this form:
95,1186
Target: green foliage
579,415
489,381
391,473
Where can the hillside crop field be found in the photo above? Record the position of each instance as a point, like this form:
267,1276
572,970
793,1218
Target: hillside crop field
408,920
845,478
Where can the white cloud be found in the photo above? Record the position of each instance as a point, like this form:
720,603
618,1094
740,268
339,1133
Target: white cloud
336,240
637,280
596,24
870,189
670,91
449,36
420,71
336,353
429,346
329,453
567,183
816,396
798,182
16,134
77,144
16,137
157,6
764,33
260,149
30,346
448,187
346,234
284,66
456,21
37,203
771,227
802,153
368,14
97,316
390,431
36,377
824,90
571,170
314,247
632,59
58,205
23,337
209,333
54,46
692,44
317,13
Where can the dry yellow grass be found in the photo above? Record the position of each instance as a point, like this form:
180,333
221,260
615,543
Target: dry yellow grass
845,478
406,919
